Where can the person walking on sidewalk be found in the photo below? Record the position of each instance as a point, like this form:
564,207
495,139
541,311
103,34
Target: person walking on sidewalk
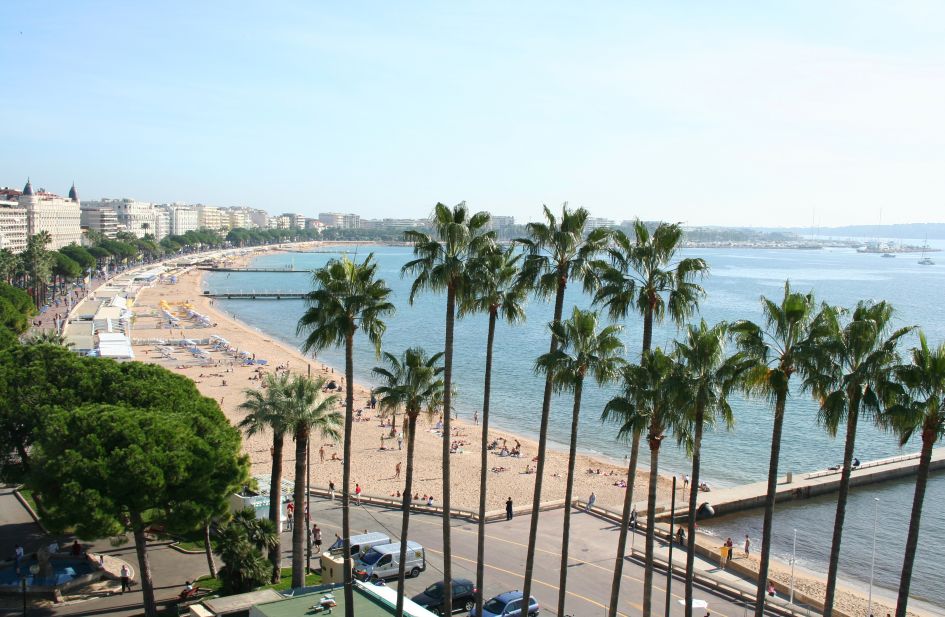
508,509
357,492
590,502
125,579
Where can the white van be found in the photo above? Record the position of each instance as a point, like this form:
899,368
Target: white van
360,544
384,561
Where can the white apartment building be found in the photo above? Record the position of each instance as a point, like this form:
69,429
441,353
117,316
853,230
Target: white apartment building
162,224
594,222
181,218
136,217
13,221
283,221
103,220
209,217
337,219
48,212
238,218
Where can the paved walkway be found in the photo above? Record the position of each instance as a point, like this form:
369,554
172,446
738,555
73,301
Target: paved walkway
18,526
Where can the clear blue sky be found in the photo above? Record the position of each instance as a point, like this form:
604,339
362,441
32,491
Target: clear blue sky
750,113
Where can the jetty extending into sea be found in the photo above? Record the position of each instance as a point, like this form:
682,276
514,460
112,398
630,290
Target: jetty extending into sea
803,486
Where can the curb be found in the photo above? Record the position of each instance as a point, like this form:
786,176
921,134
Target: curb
29,508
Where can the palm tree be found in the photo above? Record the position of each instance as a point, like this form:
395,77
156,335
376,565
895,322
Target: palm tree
920,407
268,411
791,338
651,399
582,350
347,297
708,378
854,362
310,412
412,383
639,274
497,291
557,251
442,263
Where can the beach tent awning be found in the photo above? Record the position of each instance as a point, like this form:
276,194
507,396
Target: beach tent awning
119,301
114,345
150,275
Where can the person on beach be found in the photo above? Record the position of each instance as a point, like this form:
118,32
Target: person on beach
729,548
508,509
590,502
747,545
397,470
685,482
400,441
331,490
321,454
476,418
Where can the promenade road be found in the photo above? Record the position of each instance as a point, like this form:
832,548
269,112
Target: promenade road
592,553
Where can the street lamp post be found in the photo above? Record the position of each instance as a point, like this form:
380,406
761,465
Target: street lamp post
308,511
793,559
869,609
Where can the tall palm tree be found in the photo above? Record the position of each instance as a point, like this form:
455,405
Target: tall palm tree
783,348
347,297
268,411
498,292
582,350
557,251
310,412
709,376
641,276
855,360
651,393
412,383
443,262
919,408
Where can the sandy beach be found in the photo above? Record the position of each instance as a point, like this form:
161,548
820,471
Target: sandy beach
225,380
224,377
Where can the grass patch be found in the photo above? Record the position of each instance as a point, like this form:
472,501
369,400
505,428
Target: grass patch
28,496
214,585
286,583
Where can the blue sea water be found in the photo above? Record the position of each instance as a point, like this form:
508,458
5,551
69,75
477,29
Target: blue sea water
739,277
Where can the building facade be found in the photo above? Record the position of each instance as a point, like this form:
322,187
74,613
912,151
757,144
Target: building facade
209,217
337,219
181,218
103,220
47,212
13,221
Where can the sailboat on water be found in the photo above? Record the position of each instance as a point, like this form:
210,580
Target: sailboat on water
926,260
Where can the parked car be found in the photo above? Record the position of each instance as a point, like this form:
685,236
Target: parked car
464,596
382,562
508,604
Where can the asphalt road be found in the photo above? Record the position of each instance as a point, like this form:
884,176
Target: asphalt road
591,559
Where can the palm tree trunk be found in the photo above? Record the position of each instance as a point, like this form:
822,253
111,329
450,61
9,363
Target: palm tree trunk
208,548
298,515
651,528
346,472
542,444
844,490
568,496
275,504
624,526
447,412
779,405
405,519
912,538
144,565
483,465
693,505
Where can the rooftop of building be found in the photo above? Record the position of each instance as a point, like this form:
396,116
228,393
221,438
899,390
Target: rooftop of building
369,601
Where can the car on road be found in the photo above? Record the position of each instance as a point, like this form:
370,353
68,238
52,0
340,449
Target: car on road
508,604
464,596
